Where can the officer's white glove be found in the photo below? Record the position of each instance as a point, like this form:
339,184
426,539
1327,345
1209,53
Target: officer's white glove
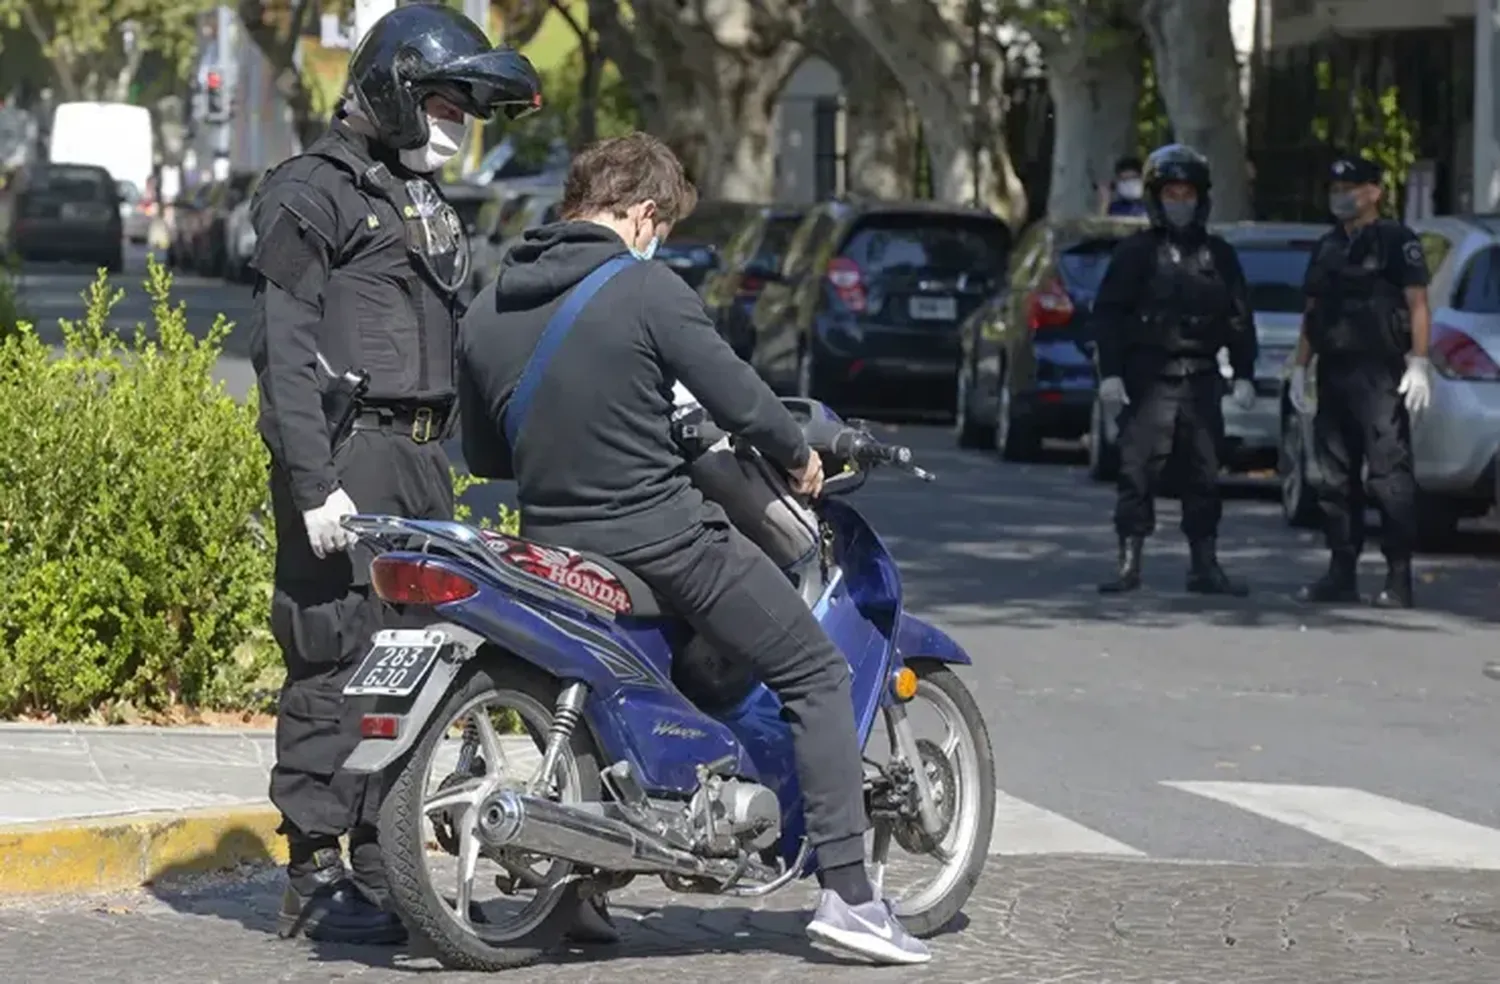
1112,392
1416,384
324,533
1296,387
1243,394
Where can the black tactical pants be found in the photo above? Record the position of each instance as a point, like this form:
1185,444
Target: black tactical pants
323,614
1177,420
734,596
1362,420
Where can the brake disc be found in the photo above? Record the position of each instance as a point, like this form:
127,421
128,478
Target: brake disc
943,784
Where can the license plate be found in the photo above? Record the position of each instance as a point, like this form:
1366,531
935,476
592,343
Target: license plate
71,210
932,308
397,663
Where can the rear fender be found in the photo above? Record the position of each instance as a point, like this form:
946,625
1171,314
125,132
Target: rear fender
917,639
376,754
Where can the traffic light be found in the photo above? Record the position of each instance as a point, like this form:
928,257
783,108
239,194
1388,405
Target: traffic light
214,110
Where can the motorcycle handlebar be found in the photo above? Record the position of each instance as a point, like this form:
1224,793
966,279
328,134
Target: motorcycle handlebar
861,448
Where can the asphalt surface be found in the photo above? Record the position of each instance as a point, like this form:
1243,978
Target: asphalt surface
1194,789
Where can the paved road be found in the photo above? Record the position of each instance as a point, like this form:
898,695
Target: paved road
1194,790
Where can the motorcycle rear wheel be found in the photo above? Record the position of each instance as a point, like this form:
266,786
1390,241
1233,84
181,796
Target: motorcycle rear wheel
467,945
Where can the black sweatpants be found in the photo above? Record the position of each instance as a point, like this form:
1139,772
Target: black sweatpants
732,594
1362,419
1175,419
323,613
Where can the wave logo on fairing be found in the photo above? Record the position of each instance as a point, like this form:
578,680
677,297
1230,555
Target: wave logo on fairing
672,729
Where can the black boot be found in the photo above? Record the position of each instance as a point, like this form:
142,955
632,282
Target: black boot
1205,576
323,904
1339,586
1397,592
1129,576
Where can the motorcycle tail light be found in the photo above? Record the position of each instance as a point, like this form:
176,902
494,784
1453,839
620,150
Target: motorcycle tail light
403,581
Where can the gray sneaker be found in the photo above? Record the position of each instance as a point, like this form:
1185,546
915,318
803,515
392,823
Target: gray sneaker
870,930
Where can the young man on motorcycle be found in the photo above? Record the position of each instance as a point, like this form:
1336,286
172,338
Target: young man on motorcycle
597,469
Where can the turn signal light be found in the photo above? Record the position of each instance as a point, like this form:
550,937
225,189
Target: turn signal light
903,684
403,581
380,726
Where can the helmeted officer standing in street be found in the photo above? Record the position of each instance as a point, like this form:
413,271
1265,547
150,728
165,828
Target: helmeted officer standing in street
358,261
1173,296
1368,322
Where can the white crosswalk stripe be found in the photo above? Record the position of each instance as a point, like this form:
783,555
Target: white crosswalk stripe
1388,831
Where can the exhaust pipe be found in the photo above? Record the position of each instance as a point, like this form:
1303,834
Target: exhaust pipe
540,826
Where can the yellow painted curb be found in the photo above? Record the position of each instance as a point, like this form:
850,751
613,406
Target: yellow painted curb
126,852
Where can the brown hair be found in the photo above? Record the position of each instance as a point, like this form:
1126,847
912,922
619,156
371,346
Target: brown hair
613,174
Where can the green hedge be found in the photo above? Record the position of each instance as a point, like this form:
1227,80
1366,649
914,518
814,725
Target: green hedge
135,542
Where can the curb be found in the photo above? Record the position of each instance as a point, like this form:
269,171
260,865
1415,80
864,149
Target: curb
120,853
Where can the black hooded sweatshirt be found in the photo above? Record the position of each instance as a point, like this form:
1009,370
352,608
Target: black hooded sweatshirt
595,464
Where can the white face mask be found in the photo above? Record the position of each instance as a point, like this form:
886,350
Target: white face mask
1129,189
445,139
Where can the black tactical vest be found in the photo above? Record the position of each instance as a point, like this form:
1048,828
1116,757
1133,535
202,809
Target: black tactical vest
1359,312
1187,303
395,282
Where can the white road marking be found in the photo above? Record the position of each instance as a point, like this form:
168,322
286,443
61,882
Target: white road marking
1393,833
1024,828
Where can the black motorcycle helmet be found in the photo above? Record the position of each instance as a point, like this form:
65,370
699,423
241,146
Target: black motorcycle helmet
426,49
1176,163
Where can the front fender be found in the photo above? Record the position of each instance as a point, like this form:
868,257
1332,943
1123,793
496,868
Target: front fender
918,639
374,755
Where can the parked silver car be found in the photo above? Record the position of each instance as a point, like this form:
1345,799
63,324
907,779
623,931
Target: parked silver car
1456,440
1274,256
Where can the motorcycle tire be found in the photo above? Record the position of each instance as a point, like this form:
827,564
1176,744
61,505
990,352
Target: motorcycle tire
513,684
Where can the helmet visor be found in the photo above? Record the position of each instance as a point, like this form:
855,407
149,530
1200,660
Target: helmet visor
481,84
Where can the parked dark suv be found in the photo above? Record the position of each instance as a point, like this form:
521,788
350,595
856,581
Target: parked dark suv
1028,371
67,212
750,260
865,311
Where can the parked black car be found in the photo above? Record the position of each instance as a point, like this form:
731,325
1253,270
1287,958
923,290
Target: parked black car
692,251
750,260
865,311
1027,369
67,212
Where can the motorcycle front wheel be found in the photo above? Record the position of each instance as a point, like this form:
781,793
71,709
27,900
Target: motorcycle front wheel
960,769
437,867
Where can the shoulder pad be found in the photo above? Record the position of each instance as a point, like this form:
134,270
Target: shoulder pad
307,188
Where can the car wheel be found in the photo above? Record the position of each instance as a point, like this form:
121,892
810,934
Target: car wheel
1104,454
1299,505
971,435
114,263
1437,520
1016,438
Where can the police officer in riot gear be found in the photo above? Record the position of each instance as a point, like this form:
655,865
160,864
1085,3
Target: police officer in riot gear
358,260
1368,322
1172,297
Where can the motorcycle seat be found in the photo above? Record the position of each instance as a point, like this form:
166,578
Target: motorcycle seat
588,578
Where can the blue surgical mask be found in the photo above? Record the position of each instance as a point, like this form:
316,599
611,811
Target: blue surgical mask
649,251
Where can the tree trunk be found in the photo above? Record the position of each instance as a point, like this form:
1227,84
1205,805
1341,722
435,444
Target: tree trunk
1199,80
708,78
1094,76
280,49
929,53
880,127
588,93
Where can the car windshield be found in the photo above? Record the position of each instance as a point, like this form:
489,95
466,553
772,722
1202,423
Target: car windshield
1275,272
71,184
1083,264
886,246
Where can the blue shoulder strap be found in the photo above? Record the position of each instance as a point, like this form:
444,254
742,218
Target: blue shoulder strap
519,404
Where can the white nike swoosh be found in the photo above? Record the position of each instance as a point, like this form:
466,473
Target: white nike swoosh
883,930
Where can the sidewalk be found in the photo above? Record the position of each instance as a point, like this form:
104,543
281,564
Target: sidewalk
101,809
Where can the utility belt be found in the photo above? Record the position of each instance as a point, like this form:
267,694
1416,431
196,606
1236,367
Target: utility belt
421,423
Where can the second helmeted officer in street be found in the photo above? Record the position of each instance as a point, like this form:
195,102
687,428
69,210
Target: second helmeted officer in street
1368,323
1172,297
358,261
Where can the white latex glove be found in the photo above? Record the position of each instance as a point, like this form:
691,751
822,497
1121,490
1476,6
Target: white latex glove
1244,394
1297,390
324,533
1112,392
1416,384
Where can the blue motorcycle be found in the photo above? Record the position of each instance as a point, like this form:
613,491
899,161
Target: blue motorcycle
545,716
